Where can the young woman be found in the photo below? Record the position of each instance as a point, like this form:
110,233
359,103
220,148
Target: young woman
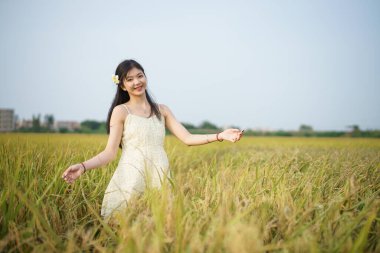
136,124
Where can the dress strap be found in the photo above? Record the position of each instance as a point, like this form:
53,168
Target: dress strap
126,108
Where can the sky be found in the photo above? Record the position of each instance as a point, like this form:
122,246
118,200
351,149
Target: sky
253,64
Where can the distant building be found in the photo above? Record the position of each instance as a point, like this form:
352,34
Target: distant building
7,120
69,125
25,123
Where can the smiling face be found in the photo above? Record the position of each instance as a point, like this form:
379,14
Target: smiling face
134,82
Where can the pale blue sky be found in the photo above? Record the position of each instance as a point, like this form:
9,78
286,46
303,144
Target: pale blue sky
270,64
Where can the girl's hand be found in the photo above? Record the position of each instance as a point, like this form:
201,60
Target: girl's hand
232,135
72,173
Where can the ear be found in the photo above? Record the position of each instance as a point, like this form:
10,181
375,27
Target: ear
123,88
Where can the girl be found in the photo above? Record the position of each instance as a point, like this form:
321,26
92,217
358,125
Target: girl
136,124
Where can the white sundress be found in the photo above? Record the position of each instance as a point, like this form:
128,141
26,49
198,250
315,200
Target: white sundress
143,161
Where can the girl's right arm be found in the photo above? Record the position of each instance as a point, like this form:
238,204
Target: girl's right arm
107,155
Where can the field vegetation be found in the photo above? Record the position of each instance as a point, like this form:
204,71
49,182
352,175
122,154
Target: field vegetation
265,194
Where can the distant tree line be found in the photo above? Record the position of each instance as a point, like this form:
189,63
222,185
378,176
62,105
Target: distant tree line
99,127
37,126
307,131
47,126
303,131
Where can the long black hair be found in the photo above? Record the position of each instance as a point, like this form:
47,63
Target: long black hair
122,96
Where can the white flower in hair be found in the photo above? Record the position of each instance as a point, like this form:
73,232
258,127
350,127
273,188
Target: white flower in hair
115,79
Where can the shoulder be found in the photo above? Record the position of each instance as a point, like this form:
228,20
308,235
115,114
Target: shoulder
164,109
119,112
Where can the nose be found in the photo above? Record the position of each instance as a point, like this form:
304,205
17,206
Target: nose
135,82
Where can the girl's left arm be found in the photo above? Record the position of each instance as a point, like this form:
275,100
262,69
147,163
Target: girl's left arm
176,128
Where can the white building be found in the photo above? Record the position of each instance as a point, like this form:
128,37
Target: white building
7,120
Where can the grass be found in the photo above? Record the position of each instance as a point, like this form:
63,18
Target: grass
258,195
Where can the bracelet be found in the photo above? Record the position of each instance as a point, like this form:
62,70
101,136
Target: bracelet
218,138
84,167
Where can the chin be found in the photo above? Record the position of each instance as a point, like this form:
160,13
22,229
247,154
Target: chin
139,93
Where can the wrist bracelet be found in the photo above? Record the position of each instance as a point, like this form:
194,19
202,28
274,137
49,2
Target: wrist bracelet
218,138
84,167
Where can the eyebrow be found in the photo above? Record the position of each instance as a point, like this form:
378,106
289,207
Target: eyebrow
136,75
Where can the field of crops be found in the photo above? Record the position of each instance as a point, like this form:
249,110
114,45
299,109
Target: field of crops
258,195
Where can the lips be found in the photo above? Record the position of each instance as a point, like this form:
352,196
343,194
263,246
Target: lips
138,88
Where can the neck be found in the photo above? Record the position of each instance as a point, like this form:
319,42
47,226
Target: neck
139,100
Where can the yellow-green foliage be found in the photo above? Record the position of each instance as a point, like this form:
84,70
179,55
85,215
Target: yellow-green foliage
258,195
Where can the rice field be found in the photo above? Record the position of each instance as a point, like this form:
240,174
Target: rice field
258,195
